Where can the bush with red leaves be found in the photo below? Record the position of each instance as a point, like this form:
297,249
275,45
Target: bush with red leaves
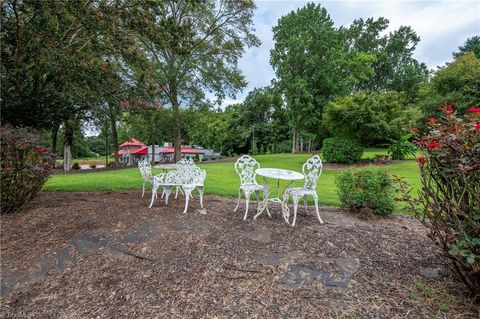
25,167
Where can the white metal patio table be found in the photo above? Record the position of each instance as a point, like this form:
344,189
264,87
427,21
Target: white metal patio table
279,175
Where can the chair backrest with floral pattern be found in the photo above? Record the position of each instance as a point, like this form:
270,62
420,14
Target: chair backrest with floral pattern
245,167
146,170
312,170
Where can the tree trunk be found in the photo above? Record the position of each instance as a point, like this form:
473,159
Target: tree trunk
53,140
113,123
177,141
153,154
67,147
294,142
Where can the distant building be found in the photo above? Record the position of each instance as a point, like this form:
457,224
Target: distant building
133,151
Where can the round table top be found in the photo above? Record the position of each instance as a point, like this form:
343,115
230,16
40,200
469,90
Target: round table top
166,166
279,173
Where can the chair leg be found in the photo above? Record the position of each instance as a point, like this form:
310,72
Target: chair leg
247,198
187,191
168,191
238,201
143,189
285,209
200,191
295,208
154,193
305,203
315,199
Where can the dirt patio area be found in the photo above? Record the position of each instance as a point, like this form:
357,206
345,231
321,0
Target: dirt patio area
106,255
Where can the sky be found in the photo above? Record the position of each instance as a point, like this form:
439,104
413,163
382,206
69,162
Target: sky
442,26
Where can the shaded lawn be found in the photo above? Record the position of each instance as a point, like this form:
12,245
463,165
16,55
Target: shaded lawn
222,179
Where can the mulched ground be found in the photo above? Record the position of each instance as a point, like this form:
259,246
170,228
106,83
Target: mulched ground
105,255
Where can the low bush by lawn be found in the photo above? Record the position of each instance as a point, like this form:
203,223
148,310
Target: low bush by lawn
222,179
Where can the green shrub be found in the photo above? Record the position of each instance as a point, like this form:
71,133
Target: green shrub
341,150
450,195
370,117
75,166
399,149
367,190
25,167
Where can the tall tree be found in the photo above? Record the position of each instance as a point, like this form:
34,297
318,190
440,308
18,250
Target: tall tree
395,68
312,65
55,59
195,46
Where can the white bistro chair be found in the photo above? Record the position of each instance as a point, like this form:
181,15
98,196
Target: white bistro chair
245,167
187,176
312,170
146,171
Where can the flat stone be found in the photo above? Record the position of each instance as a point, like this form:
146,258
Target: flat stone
431,272
263,236
302,275
266,258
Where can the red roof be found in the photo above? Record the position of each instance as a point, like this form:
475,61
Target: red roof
184,150
141,151
132,142
119,153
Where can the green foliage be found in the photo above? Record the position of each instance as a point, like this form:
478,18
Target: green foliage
76,166
194,47
471,45
460,77
394,68
458,81
369,117
450,197
366,191
341,150
312,64
399,149
56,58
25,167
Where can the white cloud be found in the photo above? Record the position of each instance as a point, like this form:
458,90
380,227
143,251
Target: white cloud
441,25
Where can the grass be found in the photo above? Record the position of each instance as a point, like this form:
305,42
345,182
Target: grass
222,179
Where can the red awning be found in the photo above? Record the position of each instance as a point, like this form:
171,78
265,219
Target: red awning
183,150
142,151
120,152
132,142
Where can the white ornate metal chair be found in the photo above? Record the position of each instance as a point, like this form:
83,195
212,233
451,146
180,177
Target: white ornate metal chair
245,167
187,176
146,171
312,170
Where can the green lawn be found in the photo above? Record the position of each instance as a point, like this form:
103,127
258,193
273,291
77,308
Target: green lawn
222,179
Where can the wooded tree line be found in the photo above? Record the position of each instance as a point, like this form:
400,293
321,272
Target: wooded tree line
145,69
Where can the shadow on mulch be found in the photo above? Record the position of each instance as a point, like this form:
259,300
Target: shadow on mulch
106,255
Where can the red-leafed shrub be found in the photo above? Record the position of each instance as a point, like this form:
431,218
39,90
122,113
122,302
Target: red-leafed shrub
449,201
25,167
